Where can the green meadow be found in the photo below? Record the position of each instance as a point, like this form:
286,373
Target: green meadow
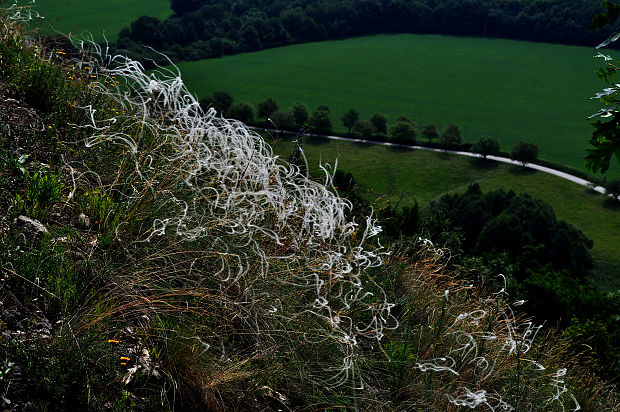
385,174
512,90
97,16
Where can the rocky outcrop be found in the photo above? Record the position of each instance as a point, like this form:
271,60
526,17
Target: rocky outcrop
31,229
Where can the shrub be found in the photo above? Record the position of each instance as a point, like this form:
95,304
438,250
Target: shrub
300,112
283,120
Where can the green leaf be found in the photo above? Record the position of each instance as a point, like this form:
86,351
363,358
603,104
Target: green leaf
605,74
610,15
606,141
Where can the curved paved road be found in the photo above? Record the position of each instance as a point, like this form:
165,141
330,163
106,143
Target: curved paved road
549,170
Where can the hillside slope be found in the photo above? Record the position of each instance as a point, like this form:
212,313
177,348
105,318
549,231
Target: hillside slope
157,257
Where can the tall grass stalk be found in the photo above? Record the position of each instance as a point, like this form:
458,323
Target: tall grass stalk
270,243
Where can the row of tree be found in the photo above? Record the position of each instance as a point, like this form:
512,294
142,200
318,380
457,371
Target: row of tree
402,131
201,29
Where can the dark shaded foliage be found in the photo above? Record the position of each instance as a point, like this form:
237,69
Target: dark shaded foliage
242,111
364,129
211,28
524,152
300,113
486,146
379,122
266,107
430,132
451,135
403,132
349,119
504,222
320,122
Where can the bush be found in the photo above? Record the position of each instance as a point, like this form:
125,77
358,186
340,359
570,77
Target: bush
300,112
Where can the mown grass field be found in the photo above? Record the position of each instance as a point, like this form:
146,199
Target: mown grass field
97,16
385,174
512,90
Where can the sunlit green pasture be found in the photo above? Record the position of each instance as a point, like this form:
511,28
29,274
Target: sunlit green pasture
387,174
512,90
97,16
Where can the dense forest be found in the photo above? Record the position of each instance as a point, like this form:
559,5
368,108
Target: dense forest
201,29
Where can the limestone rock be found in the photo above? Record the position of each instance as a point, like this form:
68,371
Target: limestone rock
32,229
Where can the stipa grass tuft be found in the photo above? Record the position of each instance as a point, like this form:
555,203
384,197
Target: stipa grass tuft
208,210
214,276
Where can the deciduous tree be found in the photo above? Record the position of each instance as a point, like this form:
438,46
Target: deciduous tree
403,132
349,119
300,112
524,152
242,111
320,121
364,129
379,122
266,107
283,120
430,132
451,135
486,146
223,101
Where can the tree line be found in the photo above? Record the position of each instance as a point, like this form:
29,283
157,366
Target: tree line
403,131
201,29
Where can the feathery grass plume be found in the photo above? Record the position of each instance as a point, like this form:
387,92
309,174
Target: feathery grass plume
20,11
462,347
240,277
275,248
